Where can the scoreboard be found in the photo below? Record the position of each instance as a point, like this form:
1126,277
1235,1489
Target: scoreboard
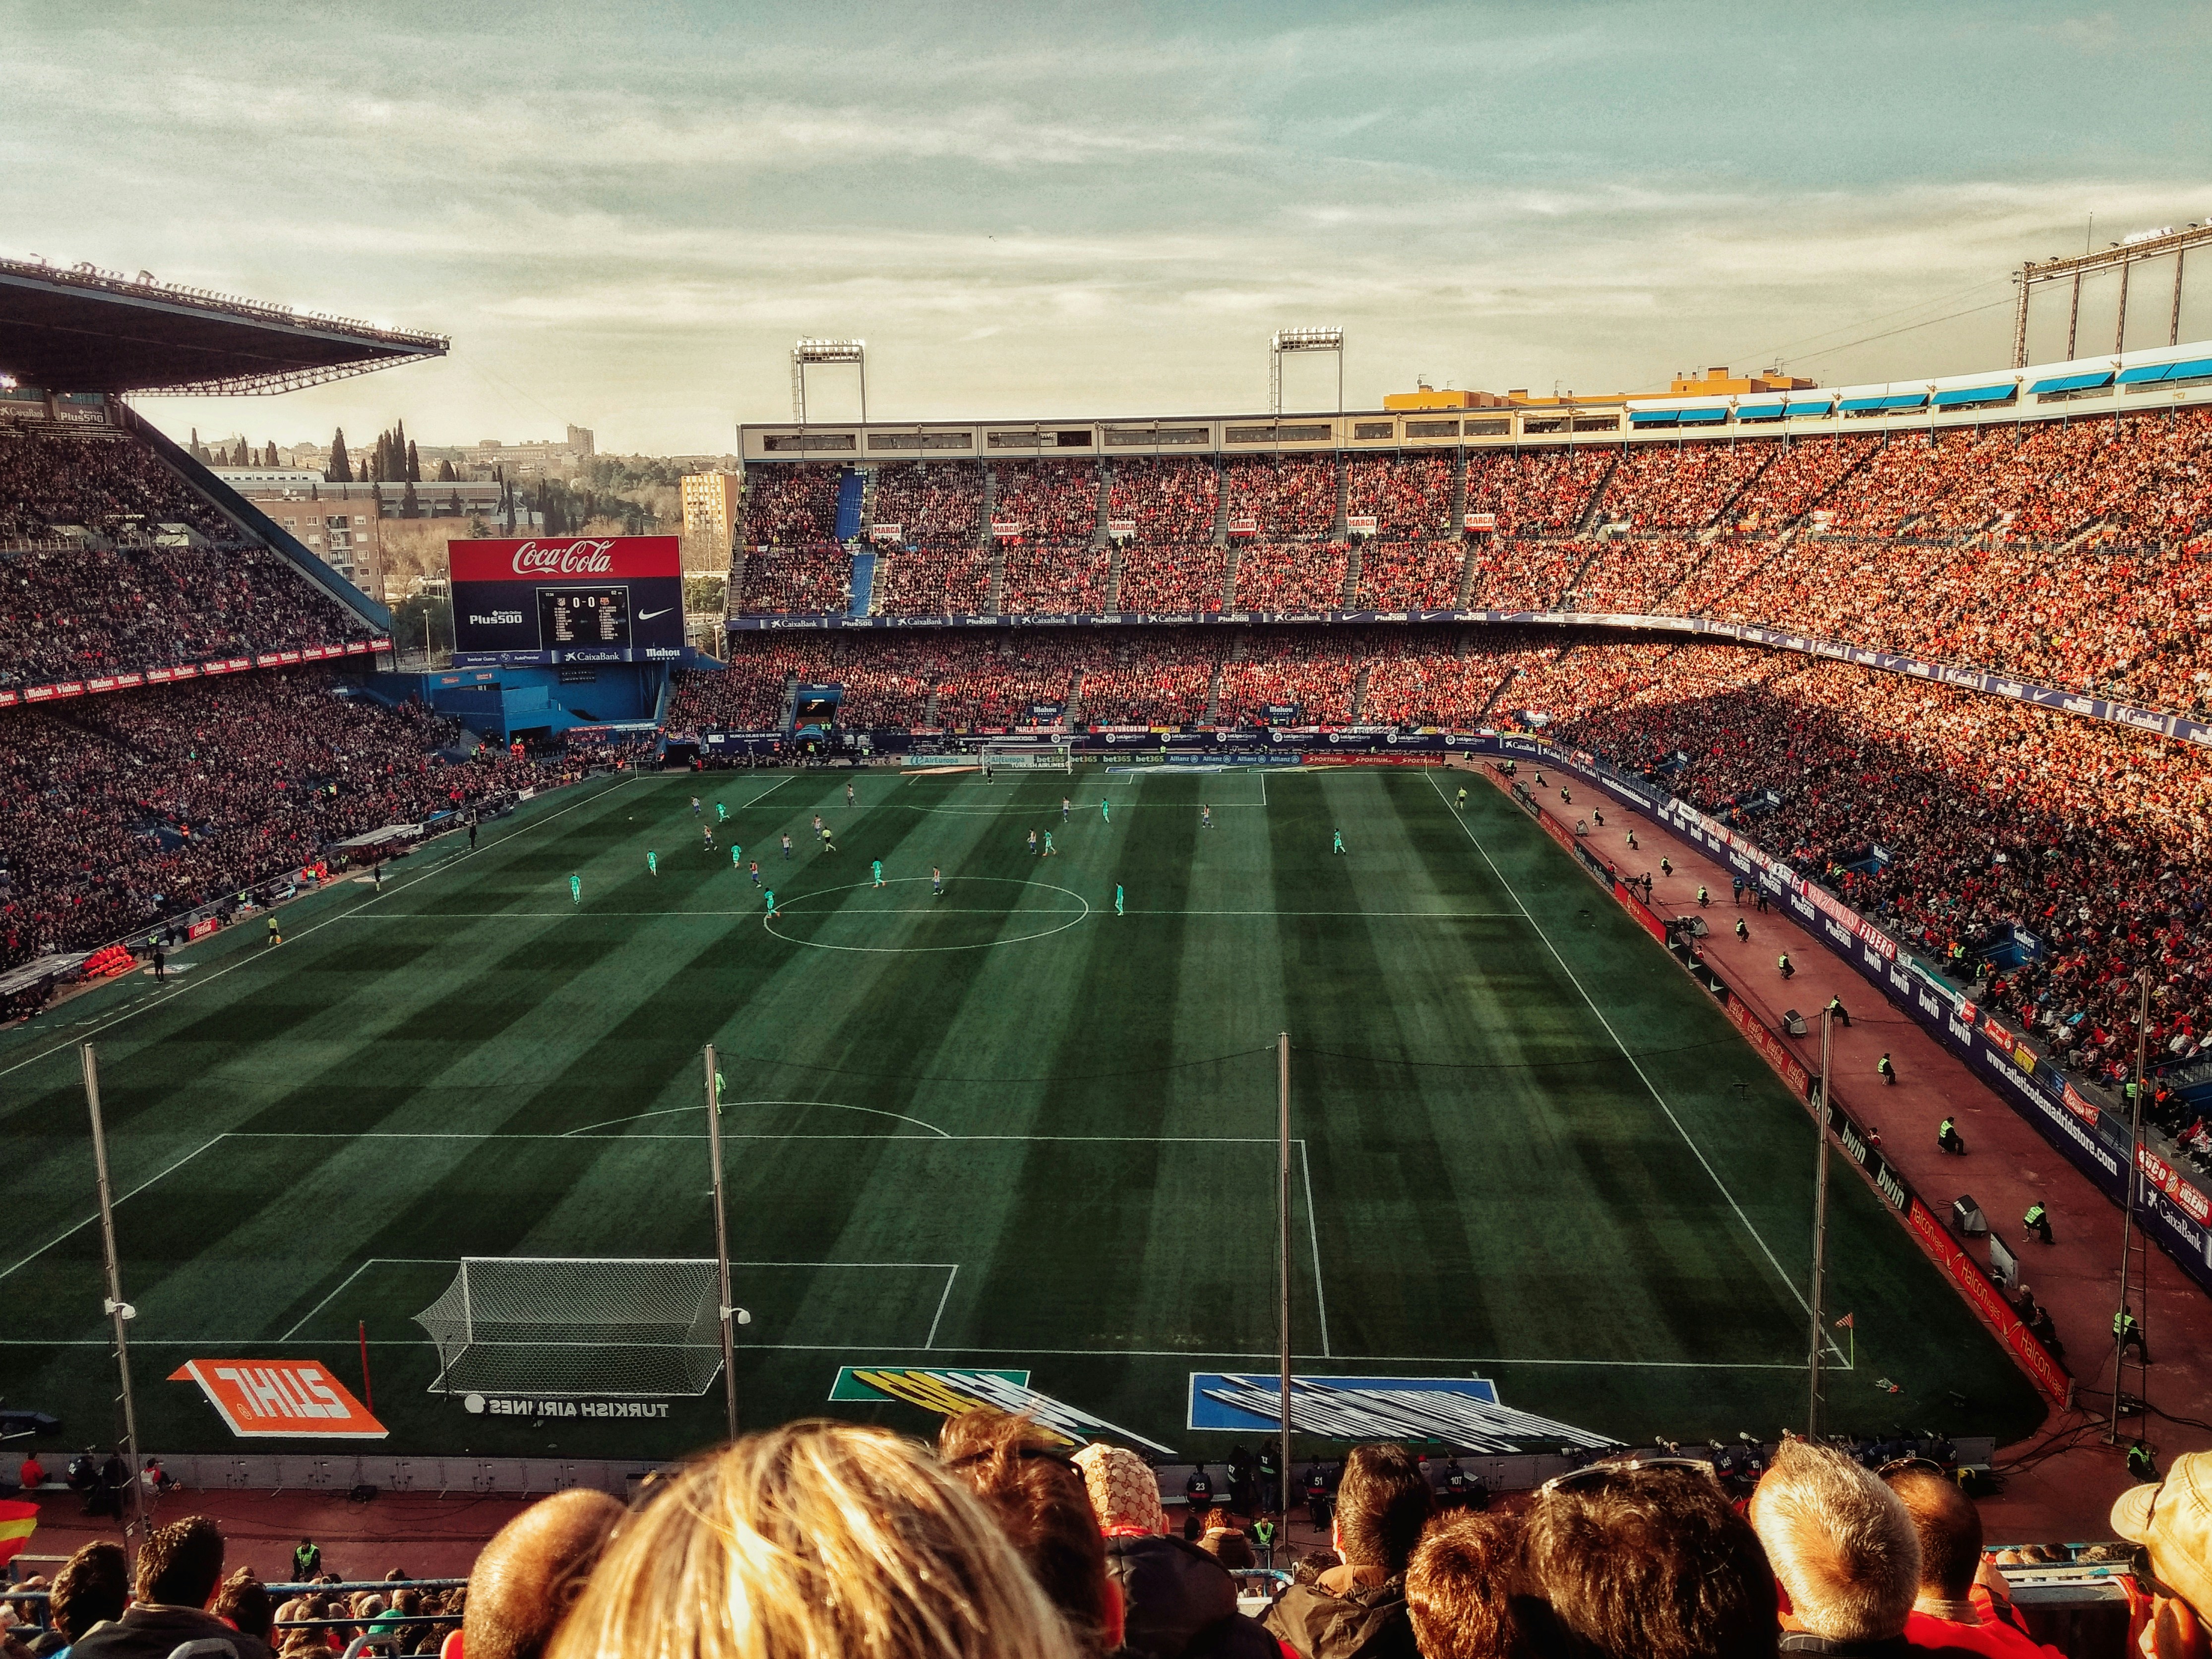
567,599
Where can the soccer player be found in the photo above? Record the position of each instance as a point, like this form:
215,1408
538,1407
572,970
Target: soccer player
848,794
694,806
652,862
771,903
827,844
1064,805
1106,809
1033,852
1205,817
720,1088
1337,835
276,937
1461,804
786,844
1117,898
879,867
987,769
737,857
1048,844
755,868
721,813
707,837
937,881
575,889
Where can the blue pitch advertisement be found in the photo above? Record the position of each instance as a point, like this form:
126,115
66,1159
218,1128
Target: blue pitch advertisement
584,598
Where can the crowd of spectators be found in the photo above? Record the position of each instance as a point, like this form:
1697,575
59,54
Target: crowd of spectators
1684,485
1288,497
947,579
830,1538
1290,576
1051,500
1183,577
110,563
1409,497
933,505
791,506
815,578
1168,499
1043,579
118,811
1410,575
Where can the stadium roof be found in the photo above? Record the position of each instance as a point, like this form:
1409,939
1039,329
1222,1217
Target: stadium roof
87,330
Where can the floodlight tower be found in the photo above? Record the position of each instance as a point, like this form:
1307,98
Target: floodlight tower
1301,339
806,351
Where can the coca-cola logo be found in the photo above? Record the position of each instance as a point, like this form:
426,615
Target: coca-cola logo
564,559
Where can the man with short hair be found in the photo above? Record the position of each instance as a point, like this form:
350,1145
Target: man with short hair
1844,1551
1459,1590
1953,1611
527,1577
180,1567
1358,1611
93,1587
1647,1563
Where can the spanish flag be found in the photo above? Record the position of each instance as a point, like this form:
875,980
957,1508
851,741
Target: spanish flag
17,1523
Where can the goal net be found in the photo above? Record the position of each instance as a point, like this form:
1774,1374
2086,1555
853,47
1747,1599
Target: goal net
1028,757
572,1325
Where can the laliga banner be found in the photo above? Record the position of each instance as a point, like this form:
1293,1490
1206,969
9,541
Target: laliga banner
567,598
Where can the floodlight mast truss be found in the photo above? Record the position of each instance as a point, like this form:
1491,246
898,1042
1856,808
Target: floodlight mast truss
806,351
2120,257
1301,339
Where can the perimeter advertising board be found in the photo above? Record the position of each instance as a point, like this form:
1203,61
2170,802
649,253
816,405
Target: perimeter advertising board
567,598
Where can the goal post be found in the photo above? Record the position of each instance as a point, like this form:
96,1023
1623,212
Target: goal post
598,1327
1035,756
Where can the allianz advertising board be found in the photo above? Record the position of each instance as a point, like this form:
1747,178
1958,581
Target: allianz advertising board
567,598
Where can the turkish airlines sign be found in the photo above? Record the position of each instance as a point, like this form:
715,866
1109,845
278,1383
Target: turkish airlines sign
271,1399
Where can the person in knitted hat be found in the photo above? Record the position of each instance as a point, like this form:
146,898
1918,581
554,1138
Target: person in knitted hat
2173,1521
1178,1599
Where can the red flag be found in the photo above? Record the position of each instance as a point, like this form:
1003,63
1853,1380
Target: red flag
17,1523
1844,1323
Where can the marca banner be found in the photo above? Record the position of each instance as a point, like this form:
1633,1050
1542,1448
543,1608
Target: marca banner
1463,1412
272,1399
951,1393
557,599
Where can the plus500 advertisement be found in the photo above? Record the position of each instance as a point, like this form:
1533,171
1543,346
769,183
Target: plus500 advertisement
556,599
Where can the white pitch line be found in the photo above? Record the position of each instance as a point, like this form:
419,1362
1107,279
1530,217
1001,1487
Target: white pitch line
930,1342
367,1262
492,1134
1695,1150
1313,1233
666,1111
261,955
927,910
120,1202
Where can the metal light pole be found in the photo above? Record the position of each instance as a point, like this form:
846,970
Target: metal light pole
1820,1232
725,1312
2135,1197
120,1312
1283,1241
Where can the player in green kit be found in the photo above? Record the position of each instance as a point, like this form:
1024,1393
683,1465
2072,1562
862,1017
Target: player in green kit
771,903
1462,799
1106,809
879,867
575,889
652,862
721,813
1337,835
1048,843
737,858
1117,898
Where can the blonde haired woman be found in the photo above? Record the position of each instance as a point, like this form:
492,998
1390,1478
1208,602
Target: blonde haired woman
814,1539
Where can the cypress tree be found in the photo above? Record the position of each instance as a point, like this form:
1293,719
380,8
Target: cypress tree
340,469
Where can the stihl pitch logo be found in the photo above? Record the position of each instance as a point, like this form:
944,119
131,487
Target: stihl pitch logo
566,559
268,1398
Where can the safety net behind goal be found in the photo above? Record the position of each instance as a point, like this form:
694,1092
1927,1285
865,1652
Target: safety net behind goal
560,1326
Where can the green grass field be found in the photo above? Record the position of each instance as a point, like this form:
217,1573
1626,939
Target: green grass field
1002,1127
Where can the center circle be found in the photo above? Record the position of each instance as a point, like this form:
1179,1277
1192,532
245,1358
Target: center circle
1073,917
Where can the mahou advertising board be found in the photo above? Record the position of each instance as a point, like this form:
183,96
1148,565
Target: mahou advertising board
567,598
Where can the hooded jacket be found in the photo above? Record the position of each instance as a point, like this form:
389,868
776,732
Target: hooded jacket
1179,1602
1345,1614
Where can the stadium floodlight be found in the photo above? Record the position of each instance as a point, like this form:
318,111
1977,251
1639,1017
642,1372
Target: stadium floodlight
1301,339
2144,245
821,352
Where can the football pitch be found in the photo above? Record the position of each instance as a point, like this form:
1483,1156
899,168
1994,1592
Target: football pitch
1000,1126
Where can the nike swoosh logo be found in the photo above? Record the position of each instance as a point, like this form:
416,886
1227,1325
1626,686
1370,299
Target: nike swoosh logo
648,615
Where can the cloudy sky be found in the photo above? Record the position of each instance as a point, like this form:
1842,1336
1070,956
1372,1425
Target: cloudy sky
623,215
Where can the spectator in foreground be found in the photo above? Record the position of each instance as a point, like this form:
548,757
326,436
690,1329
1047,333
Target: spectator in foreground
244,1601
180,1565
1844,1552
2173,1521
1028,1479
1953,1609
1176,1600
525,1580
1647,1563
1459,1590
1359,1608
815,1538
93,1587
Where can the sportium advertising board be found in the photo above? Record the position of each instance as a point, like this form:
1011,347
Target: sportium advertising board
563,600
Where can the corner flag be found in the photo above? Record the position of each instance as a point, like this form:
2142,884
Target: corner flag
17,1523
1845,1324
